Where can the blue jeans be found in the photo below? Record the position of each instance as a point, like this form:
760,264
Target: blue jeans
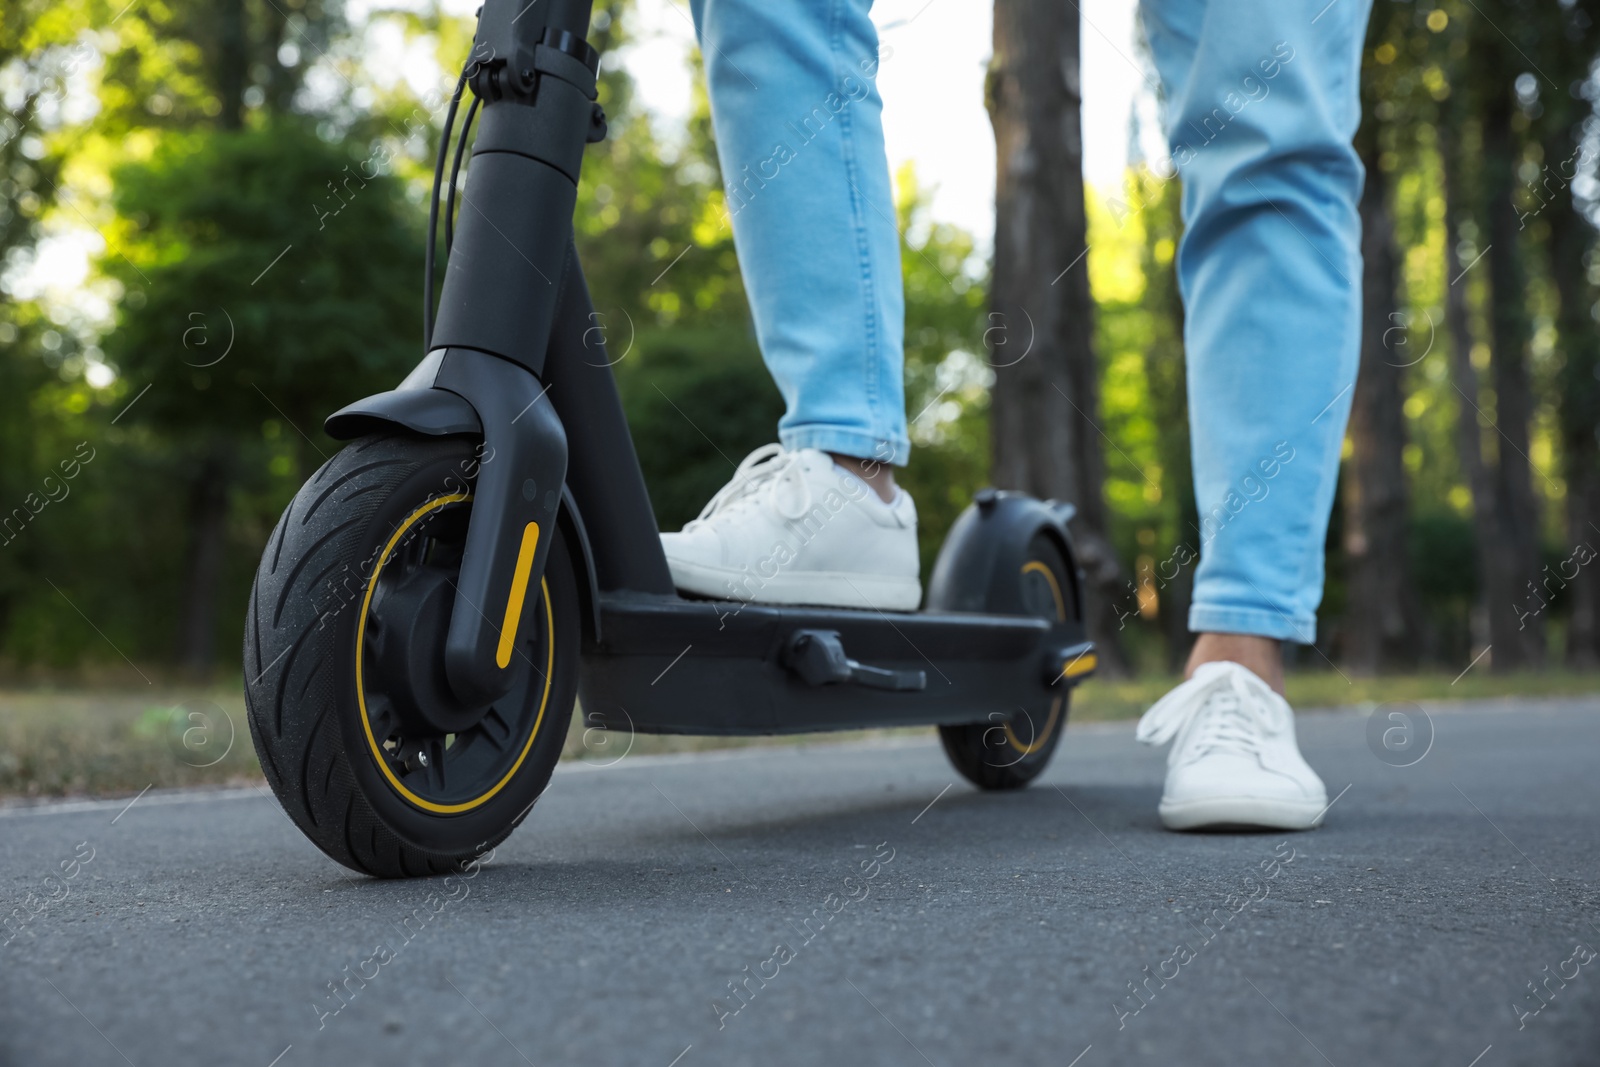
799,125
1262,102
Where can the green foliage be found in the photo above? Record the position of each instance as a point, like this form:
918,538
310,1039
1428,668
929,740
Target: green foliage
1444,566
181,64
267,273
698,402
947,376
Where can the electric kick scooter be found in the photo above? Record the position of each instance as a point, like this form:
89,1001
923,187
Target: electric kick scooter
483,553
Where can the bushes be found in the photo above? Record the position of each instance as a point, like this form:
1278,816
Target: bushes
698,402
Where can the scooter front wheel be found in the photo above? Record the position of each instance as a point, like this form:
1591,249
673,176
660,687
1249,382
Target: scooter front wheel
357,730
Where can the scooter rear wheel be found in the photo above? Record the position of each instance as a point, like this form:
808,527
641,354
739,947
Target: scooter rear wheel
344,667
1009,751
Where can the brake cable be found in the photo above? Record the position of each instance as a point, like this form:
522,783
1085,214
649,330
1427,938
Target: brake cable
433,211
455,168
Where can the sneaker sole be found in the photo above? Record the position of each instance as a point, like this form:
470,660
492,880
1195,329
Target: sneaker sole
832,589
1219,812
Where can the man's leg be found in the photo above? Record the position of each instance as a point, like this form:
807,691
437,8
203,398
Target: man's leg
1263,101
1270,271
798,120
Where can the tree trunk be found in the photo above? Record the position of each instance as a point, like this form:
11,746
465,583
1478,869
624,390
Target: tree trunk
1045,407
232,62
1571,240
1382,615
1517,623
1579,571
1496,581
208,530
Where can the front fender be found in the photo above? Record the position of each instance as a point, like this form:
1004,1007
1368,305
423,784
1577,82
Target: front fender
424,408
430,411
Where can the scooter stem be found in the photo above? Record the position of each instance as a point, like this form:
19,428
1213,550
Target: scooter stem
535,77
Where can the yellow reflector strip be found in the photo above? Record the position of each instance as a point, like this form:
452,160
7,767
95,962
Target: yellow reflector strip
1082,665
519,590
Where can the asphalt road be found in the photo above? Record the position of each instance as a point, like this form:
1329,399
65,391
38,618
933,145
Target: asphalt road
921,922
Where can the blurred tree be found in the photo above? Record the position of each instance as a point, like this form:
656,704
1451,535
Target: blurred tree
1497,63
947,376
277,271
1566,128
1046,402
181,64
1479,130
44,47
698,402
1381,623
651,230
1166,372
1497,581
39,54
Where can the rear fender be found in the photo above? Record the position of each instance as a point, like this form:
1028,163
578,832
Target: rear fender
988,545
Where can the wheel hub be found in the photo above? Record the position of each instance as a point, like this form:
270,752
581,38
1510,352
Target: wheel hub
413,619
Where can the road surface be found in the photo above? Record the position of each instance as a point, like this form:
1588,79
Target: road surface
850,904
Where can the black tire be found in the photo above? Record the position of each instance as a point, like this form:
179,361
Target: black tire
383,505
1008,752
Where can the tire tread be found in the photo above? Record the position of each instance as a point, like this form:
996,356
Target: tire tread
291,702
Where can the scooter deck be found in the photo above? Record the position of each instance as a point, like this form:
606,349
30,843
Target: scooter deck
665,664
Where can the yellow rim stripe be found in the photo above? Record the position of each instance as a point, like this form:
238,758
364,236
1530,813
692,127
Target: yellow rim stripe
1038,742
1039,567
519,590
361,698
1082,665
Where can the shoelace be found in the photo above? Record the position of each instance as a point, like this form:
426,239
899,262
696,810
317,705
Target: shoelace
1216,711
770,473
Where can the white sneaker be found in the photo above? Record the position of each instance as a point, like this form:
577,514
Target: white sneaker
796,528
1234,761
